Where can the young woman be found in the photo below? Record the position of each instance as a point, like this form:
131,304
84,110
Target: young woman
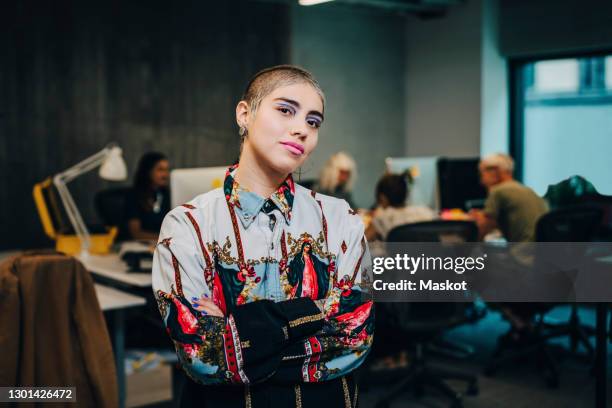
149,201
259,282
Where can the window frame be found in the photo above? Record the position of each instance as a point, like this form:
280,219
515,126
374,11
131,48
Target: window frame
591,91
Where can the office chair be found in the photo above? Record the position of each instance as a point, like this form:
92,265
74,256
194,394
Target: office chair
110,207
56,334
423,323
571,224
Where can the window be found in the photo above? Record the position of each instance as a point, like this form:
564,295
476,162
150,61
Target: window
608,77
563,121
556,76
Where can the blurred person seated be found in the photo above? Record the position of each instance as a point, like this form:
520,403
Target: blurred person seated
391,210
510,206
148,202
337,177
514,209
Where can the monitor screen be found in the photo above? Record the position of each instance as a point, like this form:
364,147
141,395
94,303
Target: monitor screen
186,184
459,183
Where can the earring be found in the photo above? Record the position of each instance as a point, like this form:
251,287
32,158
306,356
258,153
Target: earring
243,132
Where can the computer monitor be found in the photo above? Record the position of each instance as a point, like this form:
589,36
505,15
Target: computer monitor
185,184
459,183
424,188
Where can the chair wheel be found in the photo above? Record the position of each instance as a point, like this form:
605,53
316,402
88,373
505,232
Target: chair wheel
472,389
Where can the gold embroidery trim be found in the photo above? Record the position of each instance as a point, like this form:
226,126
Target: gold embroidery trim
245,344
347,396
285,358
298,396
247,397
306,319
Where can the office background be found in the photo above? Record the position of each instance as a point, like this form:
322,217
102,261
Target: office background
153,75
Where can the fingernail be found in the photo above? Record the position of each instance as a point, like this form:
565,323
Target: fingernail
194,305
205,295
204,313
193,299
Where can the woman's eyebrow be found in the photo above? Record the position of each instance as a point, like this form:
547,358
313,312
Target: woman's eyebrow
297,105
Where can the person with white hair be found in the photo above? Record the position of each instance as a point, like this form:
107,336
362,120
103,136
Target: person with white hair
510,206
337,177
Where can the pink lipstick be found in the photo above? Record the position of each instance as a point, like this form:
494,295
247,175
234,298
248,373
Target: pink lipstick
294,148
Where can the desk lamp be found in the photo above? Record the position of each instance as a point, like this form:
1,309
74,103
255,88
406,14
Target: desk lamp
112,167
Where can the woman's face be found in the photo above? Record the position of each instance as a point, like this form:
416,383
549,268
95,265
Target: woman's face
160,174
343,176
285,129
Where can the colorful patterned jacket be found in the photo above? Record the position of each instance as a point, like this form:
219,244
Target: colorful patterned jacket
289,273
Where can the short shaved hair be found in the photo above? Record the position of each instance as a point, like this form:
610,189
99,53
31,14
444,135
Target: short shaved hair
267,80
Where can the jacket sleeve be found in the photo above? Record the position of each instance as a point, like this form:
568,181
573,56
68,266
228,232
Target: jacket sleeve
348,328
94,340
10,323
241,347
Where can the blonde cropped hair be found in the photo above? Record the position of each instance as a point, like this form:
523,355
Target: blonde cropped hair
328,181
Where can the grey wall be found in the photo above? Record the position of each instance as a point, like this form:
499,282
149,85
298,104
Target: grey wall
443,83
494,117
358,57
146,74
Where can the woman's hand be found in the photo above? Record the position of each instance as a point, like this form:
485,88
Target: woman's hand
206,306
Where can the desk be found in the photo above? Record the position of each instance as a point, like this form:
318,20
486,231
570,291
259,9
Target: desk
114,302
112,267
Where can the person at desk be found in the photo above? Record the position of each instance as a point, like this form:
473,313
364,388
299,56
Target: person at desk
515,210
510,206
391,209
337,177
259,281
149,200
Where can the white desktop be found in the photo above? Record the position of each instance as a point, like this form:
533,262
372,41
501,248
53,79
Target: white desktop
424,171
186,184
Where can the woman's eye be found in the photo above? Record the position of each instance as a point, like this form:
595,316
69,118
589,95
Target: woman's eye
284,110
314,123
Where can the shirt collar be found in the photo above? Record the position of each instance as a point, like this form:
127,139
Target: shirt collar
249,204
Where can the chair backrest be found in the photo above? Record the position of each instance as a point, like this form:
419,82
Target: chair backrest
435,231
570,224
604,202
110,207
433,317
56,298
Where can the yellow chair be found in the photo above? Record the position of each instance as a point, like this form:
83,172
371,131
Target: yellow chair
54,224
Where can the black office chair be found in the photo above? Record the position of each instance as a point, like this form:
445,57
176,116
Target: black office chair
110,207
571,224
423,323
